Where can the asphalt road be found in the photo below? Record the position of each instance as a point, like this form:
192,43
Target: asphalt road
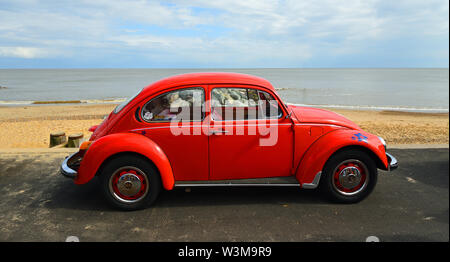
409,204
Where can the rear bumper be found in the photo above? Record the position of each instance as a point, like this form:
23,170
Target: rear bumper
392,162
70,165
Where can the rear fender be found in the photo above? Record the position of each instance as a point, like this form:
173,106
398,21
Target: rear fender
113,144
321,150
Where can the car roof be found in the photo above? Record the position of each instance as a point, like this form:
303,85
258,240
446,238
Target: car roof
206,78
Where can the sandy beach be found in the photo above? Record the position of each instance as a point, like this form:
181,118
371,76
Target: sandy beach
30,126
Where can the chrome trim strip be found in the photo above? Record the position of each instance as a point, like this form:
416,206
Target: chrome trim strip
393,163
231,125
260,124
314,183
316,124
206,126
66,170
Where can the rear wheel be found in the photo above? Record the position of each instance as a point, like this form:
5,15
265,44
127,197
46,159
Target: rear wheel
130,182
349,176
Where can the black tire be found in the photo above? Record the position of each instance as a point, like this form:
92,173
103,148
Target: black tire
333,171
128,168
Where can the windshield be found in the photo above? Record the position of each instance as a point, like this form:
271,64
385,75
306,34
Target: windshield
124,103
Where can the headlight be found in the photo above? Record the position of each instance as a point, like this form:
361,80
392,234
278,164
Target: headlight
383,142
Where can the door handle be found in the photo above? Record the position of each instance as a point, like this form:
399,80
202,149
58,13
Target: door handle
213,132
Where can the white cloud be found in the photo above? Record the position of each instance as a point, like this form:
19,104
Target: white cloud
143,12
23,52
249,32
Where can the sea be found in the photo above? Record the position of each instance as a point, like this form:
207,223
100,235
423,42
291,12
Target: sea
399,89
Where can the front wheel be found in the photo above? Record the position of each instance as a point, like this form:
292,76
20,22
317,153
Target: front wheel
130,182
349,176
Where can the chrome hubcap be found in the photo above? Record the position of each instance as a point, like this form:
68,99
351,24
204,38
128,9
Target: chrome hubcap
350,177
129,184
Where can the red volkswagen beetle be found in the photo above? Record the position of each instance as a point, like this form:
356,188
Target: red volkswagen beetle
224,129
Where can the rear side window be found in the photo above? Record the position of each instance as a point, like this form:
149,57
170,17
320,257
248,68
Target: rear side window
183,104
124,103
243,104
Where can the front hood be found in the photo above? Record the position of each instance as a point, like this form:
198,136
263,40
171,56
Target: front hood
321,116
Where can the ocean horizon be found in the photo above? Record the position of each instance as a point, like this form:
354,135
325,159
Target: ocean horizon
398,89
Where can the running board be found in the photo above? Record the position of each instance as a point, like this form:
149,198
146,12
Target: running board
272,181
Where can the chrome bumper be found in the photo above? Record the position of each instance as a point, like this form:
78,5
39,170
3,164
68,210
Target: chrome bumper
392,162
68,165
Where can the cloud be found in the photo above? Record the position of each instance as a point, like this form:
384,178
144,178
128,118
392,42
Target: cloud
286,33
23,52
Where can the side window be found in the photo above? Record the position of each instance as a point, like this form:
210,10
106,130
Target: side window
124,103
183,104
269,107
242,104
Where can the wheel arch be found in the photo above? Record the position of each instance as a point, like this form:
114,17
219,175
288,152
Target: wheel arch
315,158
364,149
115,145
122,154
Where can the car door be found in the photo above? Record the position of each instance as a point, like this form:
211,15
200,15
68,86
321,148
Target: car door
174,121
246,140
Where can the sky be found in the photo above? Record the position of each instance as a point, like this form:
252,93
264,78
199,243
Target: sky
224,34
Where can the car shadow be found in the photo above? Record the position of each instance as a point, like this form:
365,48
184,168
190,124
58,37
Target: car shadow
66,195
206,196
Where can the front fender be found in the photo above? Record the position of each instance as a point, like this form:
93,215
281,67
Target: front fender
322,149
109,145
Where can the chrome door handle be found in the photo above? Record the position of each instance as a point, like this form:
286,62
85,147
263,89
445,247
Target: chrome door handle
213,132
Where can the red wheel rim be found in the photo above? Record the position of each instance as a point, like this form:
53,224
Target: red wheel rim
128,184
350,177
